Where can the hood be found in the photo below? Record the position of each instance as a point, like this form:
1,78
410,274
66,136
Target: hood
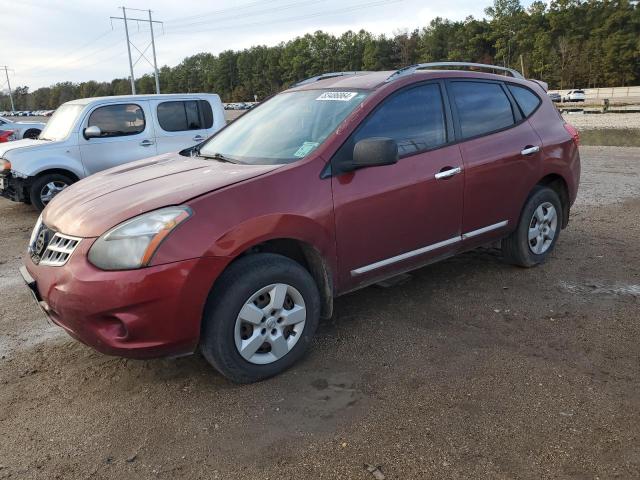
92,206
22,145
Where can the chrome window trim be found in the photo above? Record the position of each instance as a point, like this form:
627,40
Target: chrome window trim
428,248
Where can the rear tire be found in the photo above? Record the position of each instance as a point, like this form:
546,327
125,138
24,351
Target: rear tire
538,229
244,309
47,186
32,133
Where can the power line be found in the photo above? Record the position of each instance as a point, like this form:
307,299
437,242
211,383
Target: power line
290,19
251,14
221,15
141,52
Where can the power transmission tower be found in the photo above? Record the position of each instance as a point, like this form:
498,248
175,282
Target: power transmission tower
130,44
6,72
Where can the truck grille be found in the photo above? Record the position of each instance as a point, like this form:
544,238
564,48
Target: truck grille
51,248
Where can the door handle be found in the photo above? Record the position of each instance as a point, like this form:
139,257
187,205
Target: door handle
447,172
146,143
530,150
198,138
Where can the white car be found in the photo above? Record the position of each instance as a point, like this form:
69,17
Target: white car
22,129
92,134
575,96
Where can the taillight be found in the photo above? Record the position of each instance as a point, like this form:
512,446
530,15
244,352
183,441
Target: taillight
573,131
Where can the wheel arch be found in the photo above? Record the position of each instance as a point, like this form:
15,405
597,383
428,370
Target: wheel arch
60,171
306,255
558,184
31,129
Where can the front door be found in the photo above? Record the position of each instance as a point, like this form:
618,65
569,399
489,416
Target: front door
127,135
392,218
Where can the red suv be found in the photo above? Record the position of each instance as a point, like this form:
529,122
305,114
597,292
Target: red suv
238,246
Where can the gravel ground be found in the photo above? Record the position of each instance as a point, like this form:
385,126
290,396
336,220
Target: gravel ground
586,121
472,369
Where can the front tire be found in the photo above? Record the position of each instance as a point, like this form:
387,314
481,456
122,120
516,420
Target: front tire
260,317
538,229
47,186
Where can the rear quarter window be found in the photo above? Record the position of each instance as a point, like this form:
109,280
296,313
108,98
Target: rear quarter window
525,98
482,107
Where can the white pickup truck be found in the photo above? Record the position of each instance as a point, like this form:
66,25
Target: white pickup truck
22,129
92,134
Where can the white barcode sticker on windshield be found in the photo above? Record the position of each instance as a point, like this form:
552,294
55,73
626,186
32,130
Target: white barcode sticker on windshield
337,96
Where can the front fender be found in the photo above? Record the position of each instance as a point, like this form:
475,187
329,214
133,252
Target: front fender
31,162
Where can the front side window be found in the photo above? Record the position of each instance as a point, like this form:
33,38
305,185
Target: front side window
414,118
482,107
284,129
118,120
525,98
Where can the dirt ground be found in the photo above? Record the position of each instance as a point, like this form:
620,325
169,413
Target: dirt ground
472,369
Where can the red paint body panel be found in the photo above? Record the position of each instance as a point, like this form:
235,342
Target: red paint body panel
351,220
498,178
140,313
387,211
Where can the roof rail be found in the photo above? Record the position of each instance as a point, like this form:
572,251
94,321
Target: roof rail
413,68
327,75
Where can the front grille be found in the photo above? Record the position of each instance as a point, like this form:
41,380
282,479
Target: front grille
59,250
51,248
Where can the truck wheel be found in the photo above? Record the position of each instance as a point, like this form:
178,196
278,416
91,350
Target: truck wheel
260,317
538,229
47,186
31,133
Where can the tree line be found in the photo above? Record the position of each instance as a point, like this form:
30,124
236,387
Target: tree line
568,44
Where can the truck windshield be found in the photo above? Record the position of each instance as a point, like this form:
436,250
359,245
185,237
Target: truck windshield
61,122
284,129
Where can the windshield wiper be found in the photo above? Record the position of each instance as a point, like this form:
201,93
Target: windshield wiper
217,156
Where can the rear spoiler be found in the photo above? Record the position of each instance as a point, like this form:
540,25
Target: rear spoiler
544,85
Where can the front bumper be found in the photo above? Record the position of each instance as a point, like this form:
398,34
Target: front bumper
14,188
150,312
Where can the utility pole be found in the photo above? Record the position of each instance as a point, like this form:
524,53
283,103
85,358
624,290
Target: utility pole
6,72
522,66
141,52
153,48
126,32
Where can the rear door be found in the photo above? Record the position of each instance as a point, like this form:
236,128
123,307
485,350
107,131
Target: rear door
127,135
181,123
501,154
392,218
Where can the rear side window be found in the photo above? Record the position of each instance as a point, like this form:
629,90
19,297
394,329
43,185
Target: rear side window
414,118
482,107
178,116
525,98
118,120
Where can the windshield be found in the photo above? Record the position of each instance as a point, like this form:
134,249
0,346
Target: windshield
284,129
61,122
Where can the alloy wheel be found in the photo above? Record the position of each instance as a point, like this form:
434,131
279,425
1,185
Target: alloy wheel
50,190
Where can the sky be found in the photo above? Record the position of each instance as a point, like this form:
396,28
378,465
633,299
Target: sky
74,40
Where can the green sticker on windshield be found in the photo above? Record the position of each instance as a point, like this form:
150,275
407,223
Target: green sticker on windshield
305,149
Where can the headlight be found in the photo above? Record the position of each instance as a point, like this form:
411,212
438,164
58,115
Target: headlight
132,243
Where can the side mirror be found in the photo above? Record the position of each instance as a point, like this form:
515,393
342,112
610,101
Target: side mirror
92,132
375,151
